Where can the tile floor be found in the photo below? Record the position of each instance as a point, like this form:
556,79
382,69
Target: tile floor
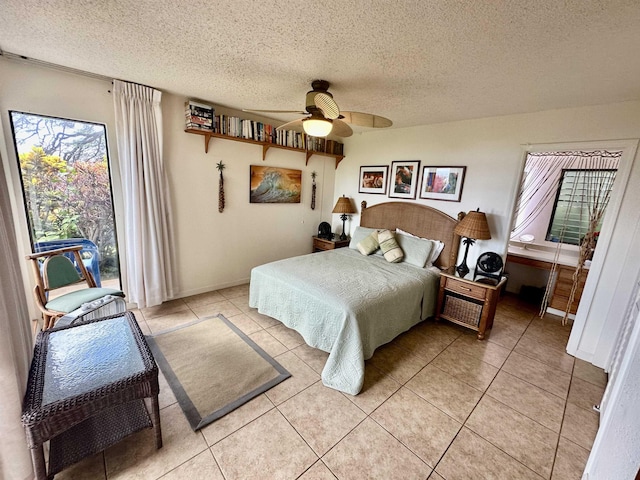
437,404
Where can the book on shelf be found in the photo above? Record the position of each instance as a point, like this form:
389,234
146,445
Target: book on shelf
202,117
199,115
193,103
199,120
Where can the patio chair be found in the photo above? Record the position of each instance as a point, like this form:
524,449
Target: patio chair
53,270
89,253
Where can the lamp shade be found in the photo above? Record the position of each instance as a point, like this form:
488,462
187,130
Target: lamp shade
474,225
344,205
317,127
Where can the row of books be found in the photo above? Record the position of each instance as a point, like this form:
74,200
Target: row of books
263,132
199,116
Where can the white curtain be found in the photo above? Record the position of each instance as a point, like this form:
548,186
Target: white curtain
15,350
149,255
541,178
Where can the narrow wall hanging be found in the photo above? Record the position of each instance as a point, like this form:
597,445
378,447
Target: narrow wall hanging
220,166
313,190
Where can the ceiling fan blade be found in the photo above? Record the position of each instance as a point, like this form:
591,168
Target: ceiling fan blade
273,111
327,105
341,129
296,125
365,119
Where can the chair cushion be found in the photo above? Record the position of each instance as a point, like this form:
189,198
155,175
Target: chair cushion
60,272
70,301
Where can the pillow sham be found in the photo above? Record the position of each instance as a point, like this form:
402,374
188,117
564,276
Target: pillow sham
389,246
438,246
369,244
417,251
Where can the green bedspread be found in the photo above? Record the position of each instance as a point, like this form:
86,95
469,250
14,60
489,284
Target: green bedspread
345,304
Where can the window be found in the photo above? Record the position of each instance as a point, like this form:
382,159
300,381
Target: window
579,192
64,171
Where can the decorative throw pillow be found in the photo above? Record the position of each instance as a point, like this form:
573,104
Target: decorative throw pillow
369,244
359,234
390,249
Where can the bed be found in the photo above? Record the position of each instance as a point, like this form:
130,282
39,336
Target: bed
348,304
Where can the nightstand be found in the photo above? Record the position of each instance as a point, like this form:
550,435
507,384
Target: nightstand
321,244
468,303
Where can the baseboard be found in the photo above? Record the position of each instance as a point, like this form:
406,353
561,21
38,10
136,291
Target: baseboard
560,313
211,288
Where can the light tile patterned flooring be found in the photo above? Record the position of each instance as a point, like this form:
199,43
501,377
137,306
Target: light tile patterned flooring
436,404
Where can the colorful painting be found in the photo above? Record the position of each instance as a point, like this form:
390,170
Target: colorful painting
404,179
274,185
373,179
442,183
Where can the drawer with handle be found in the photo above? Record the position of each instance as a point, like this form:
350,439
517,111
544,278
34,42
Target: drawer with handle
465,288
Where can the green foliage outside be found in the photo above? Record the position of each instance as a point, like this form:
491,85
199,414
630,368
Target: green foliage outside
66,183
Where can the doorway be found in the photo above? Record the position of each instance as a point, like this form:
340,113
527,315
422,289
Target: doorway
66,185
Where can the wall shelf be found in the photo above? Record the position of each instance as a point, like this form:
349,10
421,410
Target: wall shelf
265,145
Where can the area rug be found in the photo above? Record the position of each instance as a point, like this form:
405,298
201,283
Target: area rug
213,368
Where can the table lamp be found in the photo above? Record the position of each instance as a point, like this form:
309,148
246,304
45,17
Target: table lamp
344,207
472,227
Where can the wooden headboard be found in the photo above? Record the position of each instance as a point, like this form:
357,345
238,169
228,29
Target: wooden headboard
419,220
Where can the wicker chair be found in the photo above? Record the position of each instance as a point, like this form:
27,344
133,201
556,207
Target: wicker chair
53,270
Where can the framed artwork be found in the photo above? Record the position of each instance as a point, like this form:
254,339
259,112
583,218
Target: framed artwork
373,179
274,185
404,179
442,183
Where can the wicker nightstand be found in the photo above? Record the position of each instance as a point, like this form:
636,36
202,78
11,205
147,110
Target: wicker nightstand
467,303
321,244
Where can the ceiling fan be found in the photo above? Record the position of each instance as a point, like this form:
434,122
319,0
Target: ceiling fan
323,116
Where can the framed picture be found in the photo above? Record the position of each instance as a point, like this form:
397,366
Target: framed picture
373,179
442,183
274,185
404,179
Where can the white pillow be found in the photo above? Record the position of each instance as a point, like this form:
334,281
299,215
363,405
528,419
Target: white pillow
438,246
417,251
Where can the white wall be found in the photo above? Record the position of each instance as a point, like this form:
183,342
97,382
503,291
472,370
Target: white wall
219,249
213,250
493,150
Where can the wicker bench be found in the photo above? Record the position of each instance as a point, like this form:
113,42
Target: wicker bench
86,390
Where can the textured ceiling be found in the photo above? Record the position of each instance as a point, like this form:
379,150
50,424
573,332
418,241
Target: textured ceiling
415,62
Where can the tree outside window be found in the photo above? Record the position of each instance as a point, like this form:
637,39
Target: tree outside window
64,170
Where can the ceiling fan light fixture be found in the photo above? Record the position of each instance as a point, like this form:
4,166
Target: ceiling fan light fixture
317,127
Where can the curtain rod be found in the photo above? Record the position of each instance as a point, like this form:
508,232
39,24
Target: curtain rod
62,68
578,153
